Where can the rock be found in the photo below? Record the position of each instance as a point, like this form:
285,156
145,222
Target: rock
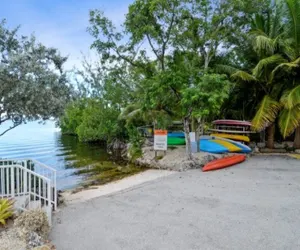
261,145
256,150
274,150
288,144
297,151
34,240
279,145
252,144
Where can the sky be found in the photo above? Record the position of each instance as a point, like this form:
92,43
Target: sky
61,23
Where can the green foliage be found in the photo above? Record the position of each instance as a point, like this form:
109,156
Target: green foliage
72,117
207,95
266,113
291,98
289,120
6,210
33,83
136,142
92,120
99,122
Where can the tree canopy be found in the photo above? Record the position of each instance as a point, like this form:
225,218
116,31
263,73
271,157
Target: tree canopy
33,84
193,61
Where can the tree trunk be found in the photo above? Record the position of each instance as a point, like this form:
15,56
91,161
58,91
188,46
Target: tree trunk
186,124
199,132
270,133
297,138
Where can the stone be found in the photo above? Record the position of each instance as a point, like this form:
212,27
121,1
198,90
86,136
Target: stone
274,150
256,150
297,151
279,145
289,144
261,145
34,240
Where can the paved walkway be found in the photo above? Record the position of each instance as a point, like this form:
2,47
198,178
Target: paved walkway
255,205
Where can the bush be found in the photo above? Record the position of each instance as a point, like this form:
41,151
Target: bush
136,142
33,221
6,210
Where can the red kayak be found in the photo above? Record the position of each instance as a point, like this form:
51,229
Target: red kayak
224,163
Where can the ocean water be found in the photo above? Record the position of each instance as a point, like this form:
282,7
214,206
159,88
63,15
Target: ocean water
45,143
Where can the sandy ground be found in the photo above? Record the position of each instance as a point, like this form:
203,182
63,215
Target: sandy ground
176,159
117,186
254,205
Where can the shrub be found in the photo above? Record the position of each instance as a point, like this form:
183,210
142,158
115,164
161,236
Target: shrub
33,221
6,210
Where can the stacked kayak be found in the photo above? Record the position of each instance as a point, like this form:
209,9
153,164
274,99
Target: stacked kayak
176,141
219,145
243,138
176,138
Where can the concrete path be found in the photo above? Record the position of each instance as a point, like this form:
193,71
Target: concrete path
255,205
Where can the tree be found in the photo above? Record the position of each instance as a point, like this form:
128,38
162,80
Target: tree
33,83
163,44
289,71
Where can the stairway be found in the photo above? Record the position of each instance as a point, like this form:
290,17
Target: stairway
30,183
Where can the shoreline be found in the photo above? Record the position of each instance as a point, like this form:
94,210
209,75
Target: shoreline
114,187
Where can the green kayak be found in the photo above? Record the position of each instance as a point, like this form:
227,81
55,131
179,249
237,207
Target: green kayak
176,141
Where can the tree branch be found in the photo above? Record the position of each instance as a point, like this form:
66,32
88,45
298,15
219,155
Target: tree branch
4,120
12,127
152,47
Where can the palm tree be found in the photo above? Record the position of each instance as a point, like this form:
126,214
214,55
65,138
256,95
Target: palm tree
277,71
289,71
266,35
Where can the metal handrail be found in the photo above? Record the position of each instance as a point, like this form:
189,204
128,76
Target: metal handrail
39,169
16,182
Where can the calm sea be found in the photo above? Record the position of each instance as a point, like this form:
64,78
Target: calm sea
46,144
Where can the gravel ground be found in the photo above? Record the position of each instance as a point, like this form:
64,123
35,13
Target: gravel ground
254,205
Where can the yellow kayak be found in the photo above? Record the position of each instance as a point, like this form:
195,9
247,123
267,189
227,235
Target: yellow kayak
233,137
231,147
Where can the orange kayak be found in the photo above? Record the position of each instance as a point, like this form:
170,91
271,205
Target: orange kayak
224,163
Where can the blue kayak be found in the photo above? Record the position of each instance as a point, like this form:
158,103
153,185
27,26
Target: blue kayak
245,148
176,134
212,147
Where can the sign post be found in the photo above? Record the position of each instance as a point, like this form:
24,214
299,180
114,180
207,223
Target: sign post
160,141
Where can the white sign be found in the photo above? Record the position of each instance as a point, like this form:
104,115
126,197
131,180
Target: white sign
193,136
161,140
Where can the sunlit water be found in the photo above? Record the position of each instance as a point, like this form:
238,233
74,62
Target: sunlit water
46,144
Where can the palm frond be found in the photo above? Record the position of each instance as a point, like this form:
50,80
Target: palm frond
129,112
264,44
286,46
287,67
266,113
267,62
289,120
291,98
243,76
225,69
293,27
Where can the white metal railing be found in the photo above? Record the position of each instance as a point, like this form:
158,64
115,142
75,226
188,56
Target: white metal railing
29,189
37,173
